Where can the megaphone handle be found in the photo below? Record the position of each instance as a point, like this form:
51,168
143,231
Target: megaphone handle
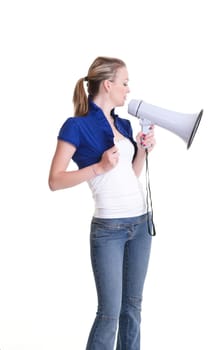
145,124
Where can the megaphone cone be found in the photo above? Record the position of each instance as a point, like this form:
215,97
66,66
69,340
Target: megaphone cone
181,124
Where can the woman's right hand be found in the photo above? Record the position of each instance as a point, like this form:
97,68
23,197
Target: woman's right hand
108,161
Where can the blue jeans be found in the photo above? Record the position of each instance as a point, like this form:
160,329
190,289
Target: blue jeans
120,250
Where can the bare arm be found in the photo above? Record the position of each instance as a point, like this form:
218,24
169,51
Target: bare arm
60,177
143,140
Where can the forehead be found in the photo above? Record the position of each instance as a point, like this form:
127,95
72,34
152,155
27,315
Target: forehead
122,73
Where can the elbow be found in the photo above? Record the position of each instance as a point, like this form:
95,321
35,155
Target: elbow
52,184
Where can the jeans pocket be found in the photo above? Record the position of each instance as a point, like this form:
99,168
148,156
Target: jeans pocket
105,230
102,229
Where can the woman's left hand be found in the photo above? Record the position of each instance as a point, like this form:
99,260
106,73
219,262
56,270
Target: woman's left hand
146,141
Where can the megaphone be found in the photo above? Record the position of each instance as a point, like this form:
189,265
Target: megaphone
181,124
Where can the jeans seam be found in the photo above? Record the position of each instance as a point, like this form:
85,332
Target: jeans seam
126,289
98,281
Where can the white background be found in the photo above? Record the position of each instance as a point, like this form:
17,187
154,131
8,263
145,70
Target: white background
172,50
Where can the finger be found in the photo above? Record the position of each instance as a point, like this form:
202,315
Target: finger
149,135
148,143
151,146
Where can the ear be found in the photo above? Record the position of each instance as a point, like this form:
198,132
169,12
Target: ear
107,85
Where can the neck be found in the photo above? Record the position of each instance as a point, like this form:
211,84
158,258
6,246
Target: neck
105,105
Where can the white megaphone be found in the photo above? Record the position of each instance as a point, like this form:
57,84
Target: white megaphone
181,124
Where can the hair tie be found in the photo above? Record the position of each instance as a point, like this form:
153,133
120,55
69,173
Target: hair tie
86,78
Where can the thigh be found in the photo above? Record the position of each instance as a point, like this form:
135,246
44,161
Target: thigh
107,250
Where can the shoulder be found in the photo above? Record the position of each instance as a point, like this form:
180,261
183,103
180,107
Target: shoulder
69,121
69,131
74,123
73,129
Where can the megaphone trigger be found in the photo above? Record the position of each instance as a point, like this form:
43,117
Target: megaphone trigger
145,129
145,125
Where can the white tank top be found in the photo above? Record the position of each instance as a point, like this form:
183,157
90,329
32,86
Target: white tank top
118,193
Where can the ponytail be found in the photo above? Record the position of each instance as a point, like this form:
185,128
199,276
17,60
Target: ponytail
80,99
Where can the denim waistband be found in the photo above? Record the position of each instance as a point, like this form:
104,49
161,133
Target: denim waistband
117,221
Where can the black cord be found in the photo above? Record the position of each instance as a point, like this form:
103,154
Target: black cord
150,222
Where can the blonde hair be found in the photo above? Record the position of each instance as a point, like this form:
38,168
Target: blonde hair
102,68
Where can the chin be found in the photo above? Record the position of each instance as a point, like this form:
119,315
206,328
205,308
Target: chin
121,104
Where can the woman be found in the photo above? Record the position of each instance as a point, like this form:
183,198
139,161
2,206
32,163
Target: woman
110,160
